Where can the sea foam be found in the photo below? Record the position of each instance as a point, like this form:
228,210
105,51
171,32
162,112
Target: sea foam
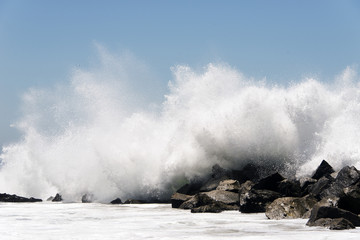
90,135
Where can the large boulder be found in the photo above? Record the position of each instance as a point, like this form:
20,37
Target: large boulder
250,172
323,170
346,177
290,207
197,200
224,196
332,212
317,190
270,182
4,197
178,198
333,223
254,201
350,200
229,185
289,188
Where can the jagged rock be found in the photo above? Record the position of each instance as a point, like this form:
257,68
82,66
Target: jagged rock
87,198
350,200
248,172
200,199
211,184
306,184
191,188
323,170
229,185
320,186
289,188
346,177
133,201
328,202
290,207
4,197
332,212
254,201
270,182
116,201
177,199
57,198
224,196
333,223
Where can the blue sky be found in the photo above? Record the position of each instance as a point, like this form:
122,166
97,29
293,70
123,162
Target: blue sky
42,41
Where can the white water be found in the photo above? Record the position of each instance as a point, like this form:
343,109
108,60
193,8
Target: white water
150,221
91,135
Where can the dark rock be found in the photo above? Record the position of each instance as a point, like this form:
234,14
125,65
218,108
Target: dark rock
270,182
333,223
177,199
350,200
229,185
290,207
212,184
323,170
306,184
224,196
219,172
332,212
346,177
192,188
320,186
200,199
57,198
4,197
50,198
213,208
133,201
87,198
116,201
254,201
289,188
248,172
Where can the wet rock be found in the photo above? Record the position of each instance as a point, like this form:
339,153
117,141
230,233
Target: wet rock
332,212
350,200
116,201
50,198
200,199
318,189
192,188
224,196
4,197
229,185
254,201
323,170
290,207
270,182
177,199
133,201
57,198
333,224
305,184
289,188
213,208
250,172
346,177
211,184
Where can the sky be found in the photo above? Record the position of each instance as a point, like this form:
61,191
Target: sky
41,42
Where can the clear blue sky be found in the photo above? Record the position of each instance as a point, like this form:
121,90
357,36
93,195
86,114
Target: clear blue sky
41,41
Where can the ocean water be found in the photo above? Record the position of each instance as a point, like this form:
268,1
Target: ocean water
147,221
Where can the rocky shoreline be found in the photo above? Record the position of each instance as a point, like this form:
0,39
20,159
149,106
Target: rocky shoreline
329,198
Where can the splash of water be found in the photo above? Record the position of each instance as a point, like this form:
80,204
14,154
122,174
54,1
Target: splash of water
89,137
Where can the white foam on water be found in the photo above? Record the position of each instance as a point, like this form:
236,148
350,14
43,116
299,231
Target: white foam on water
149,221
91,135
